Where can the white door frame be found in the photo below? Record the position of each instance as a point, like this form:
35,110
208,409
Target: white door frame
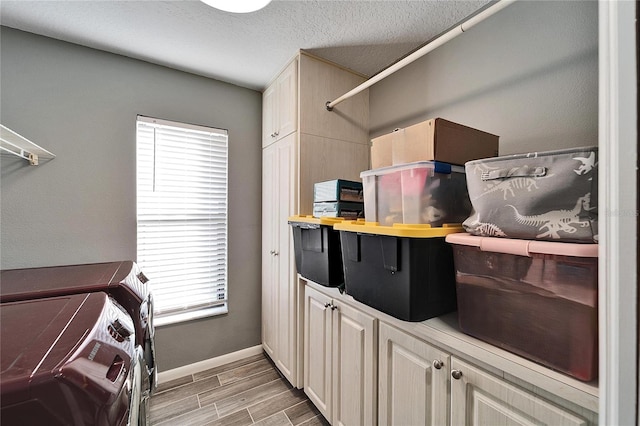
618,146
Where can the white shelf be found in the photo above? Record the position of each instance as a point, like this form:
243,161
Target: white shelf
15,144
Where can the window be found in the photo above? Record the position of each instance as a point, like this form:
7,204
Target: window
182,217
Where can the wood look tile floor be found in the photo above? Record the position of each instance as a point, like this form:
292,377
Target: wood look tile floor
250,391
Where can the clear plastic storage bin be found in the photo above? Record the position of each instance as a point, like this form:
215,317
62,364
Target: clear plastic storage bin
426,192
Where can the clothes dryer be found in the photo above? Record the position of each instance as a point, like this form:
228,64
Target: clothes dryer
122,280
69,360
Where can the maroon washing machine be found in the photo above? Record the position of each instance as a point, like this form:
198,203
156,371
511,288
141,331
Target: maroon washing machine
69,360
123,281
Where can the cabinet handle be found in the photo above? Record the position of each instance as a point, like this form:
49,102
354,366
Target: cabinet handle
271,252
276,133
275,253
456,374
437,364
330,305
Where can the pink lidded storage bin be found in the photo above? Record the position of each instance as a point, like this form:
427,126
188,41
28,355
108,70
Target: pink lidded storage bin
538,299
425,192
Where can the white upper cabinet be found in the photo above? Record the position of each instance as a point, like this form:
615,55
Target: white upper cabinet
280,106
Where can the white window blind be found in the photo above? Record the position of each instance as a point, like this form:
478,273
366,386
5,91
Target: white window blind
182,217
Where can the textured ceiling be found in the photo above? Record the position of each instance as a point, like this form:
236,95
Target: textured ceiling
243,49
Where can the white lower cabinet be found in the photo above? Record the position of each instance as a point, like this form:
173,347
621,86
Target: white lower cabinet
479,398
340,344
413,381
420,384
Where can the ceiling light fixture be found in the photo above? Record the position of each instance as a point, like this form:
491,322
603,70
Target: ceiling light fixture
236,6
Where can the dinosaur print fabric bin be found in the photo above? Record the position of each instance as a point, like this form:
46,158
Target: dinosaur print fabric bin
550,195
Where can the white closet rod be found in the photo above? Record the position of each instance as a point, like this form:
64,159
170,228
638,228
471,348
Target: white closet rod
501,4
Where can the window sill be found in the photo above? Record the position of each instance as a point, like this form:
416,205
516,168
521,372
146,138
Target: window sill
189,316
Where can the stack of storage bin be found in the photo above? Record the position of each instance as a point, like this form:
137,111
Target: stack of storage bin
397,261
526,271
338,198
317,245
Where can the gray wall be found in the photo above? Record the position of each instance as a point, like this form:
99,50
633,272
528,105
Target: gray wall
81,104
528,74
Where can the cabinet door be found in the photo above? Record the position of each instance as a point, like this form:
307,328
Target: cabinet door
269,245
321,82
269,114
479,398
287,102
412,389
285,280
279,284
354,366
317,350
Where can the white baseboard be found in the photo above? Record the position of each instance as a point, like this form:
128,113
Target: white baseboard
196,367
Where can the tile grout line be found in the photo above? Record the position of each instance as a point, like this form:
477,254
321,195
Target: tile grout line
180,386
228,370
172,401
178,418
247,408
241,379
274,396
215,404
194,379
217,387
295,405
267,368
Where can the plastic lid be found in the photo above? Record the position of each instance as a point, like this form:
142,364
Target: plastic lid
329,221
398,229
524,247
539,154
438,167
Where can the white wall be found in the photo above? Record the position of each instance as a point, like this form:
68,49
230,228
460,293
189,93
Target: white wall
81,104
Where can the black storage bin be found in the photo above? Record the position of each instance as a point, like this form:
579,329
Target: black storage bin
317,249
405,271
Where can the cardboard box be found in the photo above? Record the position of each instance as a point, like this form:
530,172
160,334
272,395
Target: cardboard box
381,149
433,140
